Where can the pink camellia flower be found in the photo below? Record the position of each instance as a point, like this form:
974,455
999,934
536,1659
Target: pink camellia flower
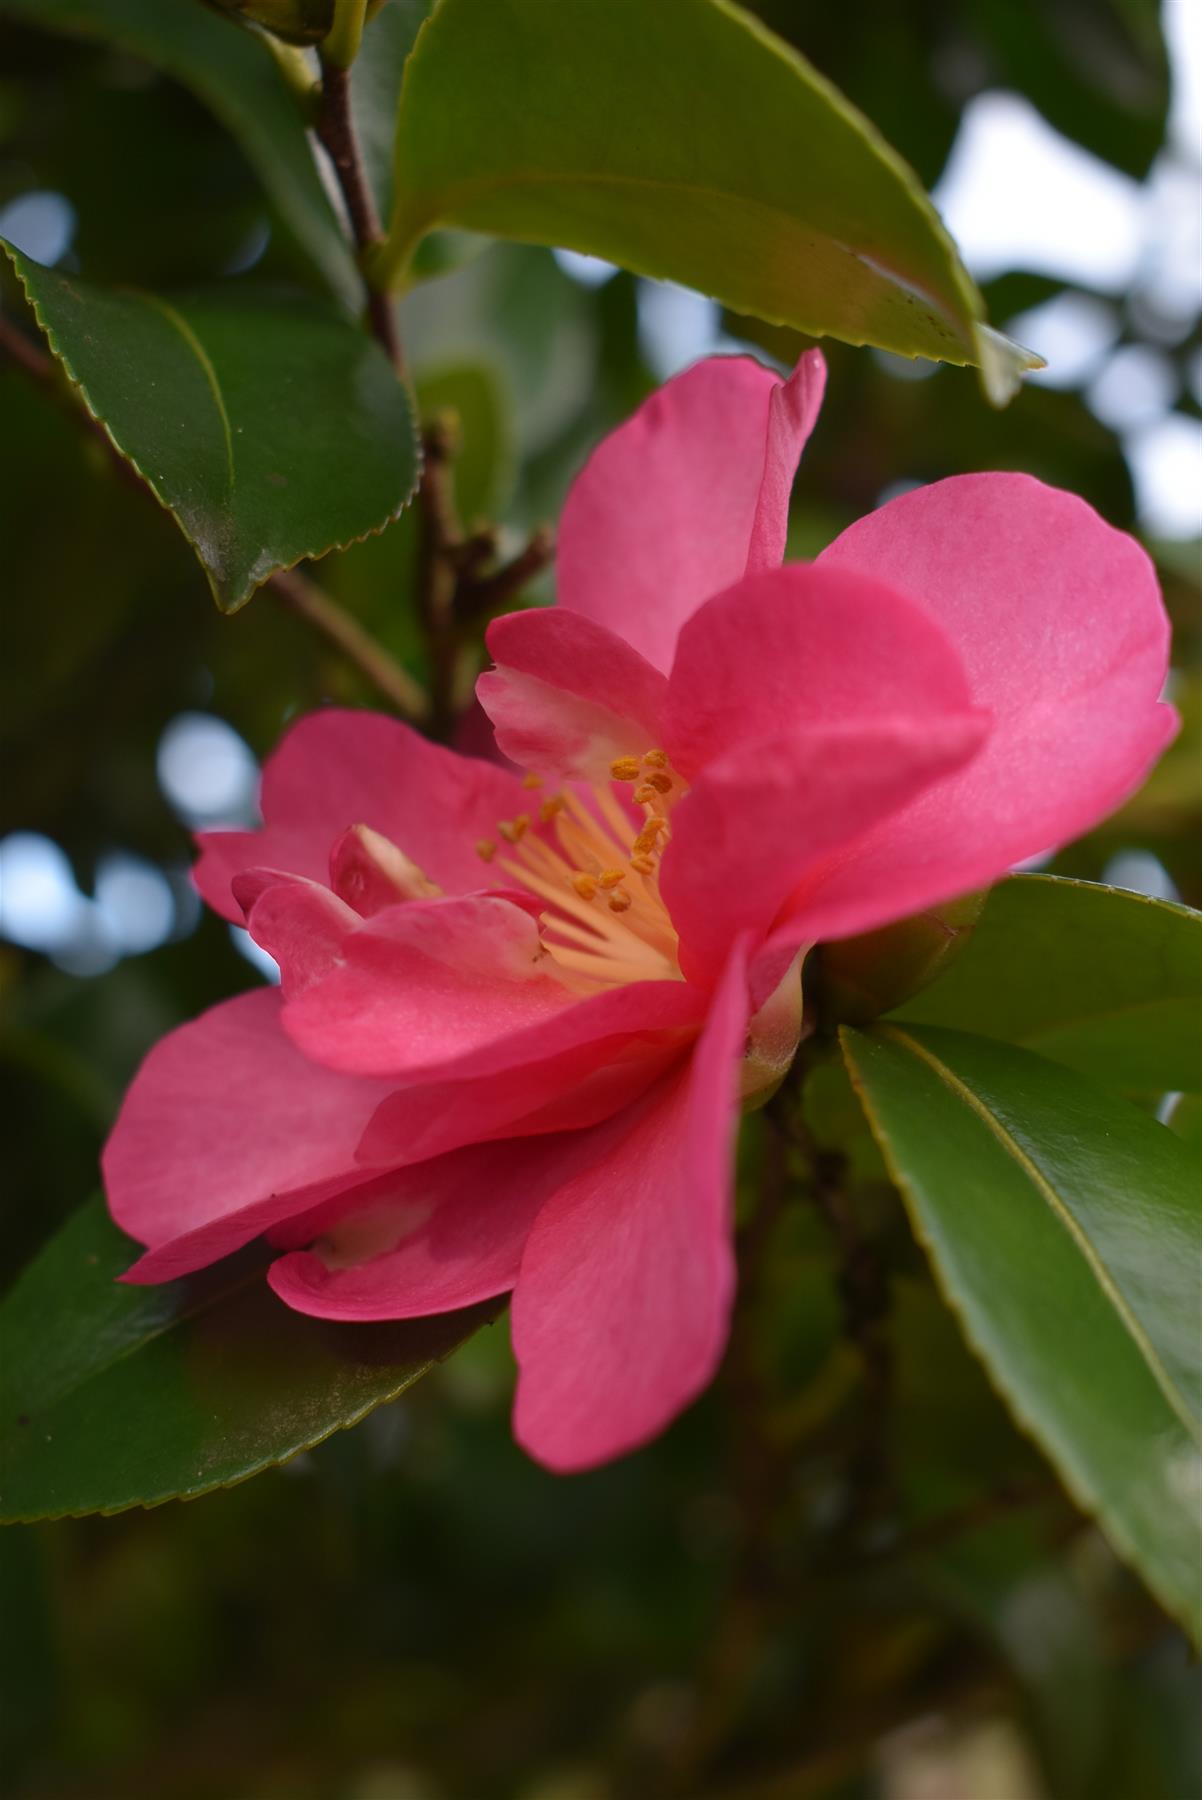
518,1016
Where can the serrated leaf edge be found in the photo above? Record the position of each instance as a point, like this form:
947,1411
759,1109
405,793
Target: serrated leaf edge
221,594
1075,1483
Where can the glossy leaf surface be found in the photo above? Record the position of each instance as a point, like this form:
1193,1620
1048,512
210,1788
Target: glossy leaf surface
234,74
1064,1228
270,428
1107,981
684,141
114,1396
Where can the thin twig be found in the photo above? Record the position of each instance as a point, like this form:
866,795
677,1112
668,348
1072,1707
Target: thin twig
485,593
298,592
864,1293
455,588
311,603
336,133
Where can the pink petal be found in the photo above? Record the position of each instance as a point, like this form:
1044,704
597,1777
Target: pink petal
299,922
226,1129
685,497
462,987
335,769
764,816
431,1238
804,646
420,984
1059,623
622,1304
576,1086
567,696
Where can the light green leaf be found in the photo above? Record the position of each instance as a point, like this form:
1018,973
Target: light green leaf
114,1396
685,141
1064,1226
1107,981
270,427
235,75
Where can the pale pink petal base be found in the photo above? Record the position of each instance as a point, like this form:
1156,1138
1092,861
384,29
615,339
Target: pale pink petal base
567,696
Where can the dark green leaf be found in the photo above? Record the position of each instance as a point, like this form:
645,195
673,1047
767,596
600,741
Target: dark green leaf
684,141
114,1396
1064,1227
270,428
236,76
1107,981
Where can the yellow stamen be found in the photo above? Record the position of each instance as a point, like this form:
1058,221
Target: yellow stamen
585,886
646,795
486,849
549,808
643,864
532,781
609,878
514,830
619,902
657,779
625,768
656,759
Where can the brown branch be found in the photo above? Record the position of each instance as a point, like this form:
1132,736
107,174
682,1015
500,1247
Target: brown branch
864,1294
455,586
318,609
482,594
298,592
336,133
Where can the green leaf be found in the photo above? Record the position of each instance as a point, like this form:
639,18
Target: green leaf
1107,981
114,1396
683,140
270,427
236,76
376,76
1064,1227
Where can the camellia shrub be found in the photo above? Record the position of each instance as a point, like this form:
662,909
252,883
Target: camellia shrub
680,867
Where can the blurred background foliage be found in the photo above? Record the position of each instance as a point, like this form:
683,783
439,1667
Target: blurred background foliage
413,1611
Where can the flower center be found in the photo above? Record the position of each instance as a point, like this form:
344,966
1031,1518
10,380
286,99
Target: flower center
597,867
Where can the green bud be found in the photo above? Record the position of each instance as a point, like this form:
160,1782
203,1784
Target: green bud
294,21
856,979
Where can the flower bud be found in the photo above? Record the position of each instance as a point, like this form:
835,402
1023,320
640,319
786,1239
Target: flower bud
855,979
295,21
772,1039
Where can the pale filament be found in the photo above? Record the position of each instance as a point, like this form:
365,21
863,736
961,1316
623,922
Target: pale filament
606,923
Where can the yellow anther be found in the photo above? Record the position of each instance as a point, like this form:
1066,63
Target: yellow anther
619,901
554,804
643,864
609,878
486,849
585,886
625,768
646,795
657,779
656,759
532,781
514,830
